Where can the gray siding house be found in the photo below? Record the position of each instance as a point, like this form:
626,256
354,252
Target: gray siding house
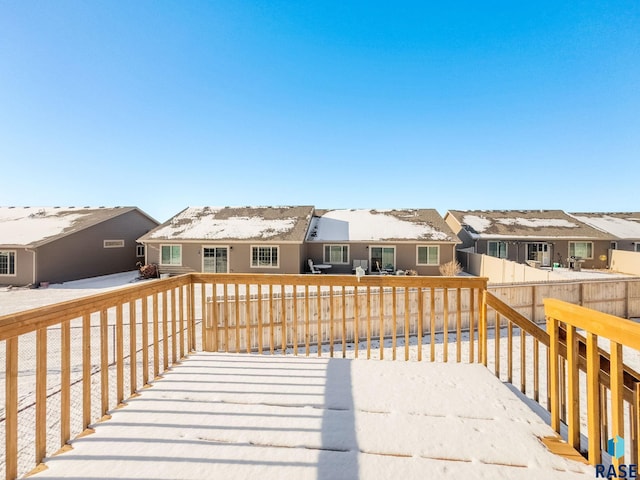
623,227
230,240
59,244
392,240
543,236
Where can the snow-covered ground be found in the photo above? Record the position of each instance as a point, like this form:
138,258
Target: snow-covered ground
17,299
248,416
584,274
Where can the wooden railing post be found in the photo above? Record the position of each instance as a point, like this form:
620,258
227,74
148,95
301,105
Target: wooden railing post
593,399
483,327
11,408
133,364
65,383
41,396
104,362
191,313
573,397
552,372
617,412
119,356
86,371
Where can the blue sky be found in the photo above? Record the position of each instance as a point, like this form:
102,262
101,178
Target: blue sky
447,105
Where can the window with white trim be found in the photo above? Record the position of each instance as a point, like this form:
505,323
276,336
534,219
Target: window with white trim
497,249
265,256
139,250
7,262
171,255
428,255
637,246
613,246
581,249
336,254
113,243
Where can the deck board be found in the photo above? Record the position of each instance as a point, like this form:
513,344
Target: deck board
242,416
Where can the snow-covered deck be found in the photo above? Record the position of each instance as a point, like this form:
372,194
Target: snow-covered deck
231,416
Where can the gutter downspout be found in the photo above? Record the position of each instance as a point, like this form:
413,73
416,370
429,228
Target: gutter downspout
33,273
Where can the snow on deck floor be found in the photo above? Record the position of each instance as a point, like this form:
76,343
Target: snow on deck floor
232,416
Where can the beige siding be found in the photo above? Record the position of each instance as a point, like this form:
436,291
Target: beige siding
24,268
517,251
406,256
239,257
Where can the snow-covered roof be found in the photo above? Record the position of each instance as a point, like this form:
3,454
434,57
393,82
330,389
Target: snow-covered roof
622,225
285,223
379,225
34,226
541,224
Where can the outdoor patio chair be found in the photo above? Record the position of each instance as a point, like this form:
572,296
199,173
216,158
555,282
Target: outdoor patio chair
364,264
380,270
312,267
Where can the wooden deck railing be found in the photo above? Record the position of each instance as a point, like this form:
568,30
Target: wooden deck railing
315,312
68,365
609,382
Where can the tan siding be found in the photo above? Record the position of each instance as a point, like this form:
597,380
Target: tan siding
290,257
24,268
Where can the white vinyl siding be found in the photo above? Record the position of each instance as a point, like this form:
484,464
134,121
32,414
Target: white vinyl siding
7,262
336,254
428,255
171,255
581,249
497,249
265,256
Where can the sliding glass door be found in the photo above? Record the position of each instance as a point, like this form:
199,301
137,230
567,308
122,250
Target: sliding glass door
215,260
383,258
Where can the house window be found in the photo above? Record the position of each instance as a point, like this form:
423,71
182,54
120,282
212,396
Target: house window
637,245
264,257
581,249
614,246
337,254
7,263
171,255
384,257
497,249
113,243
139,250
428,255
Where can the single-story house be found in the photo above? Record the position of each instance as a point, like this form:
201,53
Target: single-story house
230,240
389,240
624,227
543,236
59,244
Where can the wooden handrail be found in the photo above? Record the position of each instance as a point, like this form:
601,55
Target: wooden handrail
603,369
26,321
107,311
325,309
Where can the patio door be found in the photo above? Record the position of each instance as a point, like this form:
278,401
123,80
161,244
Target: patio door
539,252
384,256
215,259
